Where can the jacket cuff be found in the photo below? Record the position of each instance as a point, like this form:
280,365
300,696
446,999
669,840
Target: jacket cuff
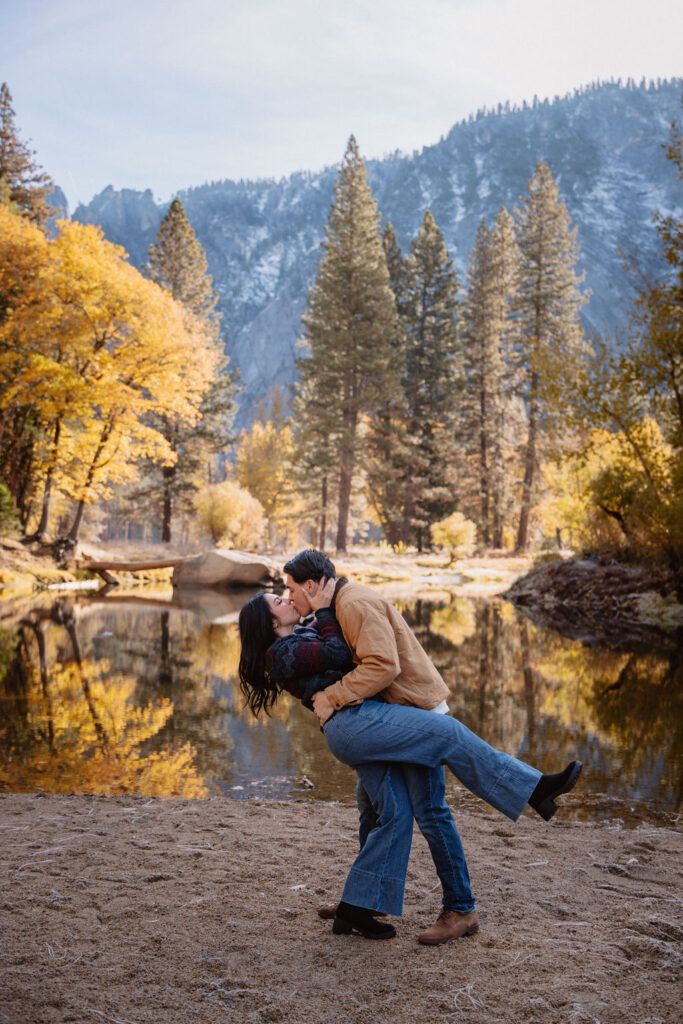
335,696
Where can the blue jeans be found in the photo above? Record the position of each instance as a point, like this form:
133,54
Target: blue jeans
373,732
426,788
378,875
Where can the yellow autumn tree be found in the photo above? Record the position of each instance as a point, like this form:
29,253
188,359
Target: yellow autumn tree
455,533
264,468
616,489
23,255
96,348
567,512
230,515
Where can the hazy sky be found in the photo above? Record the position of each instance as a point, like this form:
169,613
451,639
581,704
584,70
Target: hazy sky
164,94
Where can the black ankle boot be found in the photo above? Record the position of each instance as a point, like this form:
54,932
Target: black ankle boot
551,786
357,919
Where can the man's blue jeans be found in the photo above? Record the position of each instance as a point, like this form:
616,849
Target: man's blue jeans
372,733
426,789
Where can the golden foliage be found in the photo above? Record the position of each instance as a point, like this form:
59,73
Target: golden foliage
263,463
94,348
456,533
230,515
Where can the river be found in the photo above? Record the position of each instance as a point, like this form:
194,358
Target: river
113,694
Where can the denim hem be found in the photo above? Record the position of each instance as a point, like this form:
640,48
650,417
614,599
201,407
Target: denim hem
374,892
461,908
513,799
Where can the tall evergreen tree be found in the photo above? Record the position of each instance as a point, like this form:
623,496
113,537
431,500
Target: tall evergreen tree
551,338
22,183
389,469
430,381
349,330
398,270
488,328
178,263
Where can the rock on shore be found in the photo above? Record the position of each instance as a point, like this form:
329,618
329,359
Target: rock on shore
609,605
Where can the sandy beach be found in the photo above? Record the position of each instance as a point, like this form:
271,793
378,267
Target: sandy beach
136,911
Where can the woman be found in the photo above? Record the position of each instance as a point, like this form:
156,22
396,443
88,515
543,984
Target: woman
279,655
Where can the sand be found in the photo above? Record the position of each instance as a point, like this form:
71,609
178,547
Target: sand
131,910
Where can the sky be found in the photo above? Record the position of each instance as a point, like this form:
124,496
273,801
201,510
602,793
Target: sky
166,94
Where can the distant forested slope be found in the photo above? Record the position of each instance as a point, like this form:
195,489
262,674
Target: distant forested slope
603,145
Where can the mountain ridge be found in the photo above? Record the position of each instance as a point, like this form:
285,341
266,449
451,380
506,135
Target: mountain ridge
604,145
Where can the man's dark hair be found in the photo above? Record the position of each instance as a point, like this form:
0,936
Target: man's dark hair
309,565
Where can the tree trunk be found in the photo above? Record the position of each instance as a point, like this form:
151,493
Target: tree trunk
169,474
484,473
47,493
350,420
323,513
75,529
529,469
344,504
497,538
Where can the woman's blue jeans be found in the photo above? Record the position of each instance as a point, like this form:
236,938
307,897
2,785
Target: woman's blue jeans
372,733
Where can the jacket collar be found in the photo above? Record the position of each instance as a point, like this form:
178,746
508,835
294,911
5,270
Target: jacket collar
341,582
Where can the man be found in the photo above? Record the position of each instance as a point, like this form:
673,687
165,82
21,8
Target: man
389,660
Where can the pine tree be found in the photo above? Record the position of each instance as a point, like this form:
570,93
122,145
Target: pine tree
550,334
488,326
23,185
398,270
349,330
430,381
178,263
389,468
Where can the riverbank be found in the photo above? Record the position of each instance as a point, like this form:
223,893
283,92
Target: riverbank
126,909
602,604
30,568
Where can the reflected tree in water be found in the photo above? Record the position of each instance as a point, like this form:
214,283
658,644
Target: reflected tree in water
76,726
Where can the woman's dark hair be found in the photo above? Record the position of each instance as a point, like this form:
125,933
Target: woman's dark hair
310,564
256,634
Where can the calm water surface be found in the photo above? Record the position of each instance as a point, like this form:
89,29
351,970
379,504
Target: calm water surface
108,695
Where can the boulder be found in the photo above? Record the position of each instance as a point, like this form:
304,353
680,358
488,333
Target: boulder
226,568
212,605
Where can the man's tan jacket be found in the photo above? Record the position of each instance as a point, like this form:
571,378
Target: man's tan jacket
389,660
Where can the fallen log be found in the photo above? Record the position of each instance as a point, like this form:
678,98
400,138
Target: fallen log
104,568
165,563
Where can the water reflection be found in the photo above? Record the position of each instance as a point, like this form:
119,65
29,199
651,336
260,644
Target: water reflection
110,696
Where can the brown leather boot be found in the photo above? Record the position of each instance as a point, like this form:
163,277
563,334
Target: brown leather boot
450,925
329,911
